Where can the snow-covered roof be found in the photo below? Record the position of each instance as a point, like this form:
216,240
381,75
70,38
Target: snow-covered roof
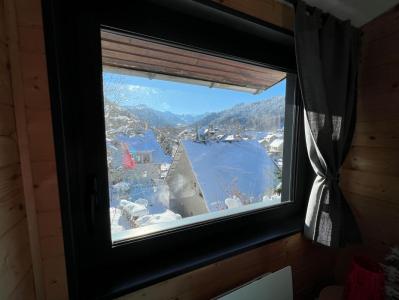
222,169
230,137
146,142
277,143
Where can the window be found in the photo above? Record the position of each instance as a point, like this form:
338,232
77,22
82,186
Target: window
190,137
109,146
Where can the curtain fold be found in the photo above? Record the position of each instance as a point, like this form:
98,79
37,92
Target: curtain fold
327,59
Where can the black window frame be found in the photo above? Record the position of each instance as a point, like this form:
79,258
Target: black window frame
95,267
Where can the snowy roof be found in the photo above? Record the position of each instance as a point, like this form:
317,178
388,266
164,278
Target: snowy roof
146,142
230,138
225,168
277,143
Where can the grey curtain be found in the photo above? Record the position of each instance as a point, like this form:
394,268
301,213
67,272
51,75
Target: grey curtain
327,59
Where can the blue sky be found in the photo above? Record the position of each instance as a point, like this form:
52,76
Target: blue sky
178,98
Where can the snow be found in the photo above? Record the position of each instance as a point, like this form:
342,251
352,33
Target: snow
118,221
277,143
233,202
230,137
121,186
167,216
274,199
146,142
142,201
132,210
223,170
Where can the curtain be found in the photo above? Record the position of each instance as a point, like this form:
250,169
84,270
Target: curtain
327,59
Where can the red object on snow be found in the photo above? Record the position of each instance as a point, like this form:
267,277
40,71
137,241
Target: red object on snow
128,161
365,280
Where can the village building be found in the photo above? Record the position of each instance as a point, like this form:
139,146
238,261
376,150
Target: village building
276,146
203,175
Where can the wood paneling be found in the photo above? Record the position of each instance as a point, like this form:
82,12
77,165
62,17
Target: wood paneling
11,198
16,281
25,289
213,280
271,11
370,176
139,55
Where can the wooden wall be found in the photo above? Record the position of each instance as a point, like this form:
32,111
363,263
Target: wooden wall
33,118
16,275
28,68
272,11
370,178
213,280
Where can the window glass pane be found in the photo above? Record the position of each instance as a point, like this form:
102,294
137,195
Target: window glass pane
189,136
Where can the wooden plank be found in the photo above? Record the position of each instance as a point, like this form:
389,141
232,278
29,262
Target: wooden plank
45,186
55,278
377,134
40,134
2,25
380,76
7,120
12,208
189,57
15,259
49,223
382,27
52,247
179,52
379,217
35,82
374,55
26,9
25,290
9,151
270,11
29,13
5,84
374,160
177,63
378,186
156,65
210,281
370,108
33,39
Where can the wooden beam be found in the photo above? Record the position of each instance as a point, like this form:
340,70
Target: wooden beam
23,142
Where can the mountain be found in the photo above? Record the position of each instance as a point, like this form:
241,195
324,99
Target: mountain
118,120
263,115
156,118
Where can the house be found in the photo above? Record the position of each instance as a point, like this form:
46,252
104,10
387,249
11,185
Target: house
276,146
145,147
203,175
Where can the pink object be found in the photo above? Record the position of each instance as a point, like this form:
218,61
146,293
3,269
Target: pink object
365,280
128,161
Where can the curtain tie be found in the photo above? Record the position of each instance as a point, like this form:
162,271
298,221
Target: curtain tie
332,178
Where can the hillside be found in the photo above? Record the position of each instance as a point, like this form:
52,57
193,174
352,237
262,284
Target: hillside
120,120
262,115
156,118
